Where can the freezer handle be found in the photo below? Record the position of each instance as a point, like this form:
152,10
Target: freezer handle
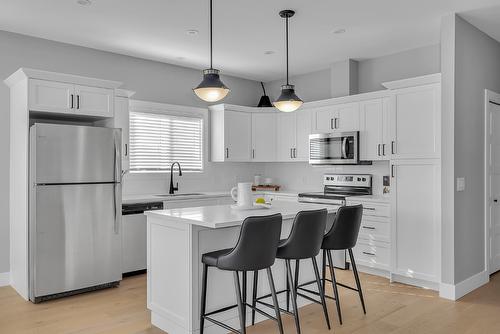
117,159
117,207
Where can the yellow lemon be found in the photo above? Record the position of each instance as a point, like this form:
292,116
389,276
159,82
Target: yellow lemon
260,200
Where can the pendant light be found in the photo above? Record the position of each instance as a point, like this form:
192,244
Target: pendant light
288,101
211,88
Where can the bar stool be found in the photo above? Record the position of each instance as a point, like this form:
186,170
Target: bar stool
343,235
304,242
255,250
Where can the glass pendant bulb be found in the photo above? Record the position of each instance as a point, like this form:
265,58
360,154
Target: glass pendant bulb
288,101
211,89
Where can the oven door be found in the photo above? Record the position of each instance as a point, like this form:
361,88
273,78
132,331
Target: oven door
334,148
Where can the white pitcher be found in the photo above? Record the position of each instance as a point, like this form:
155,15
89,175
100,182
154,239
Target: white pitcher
242,194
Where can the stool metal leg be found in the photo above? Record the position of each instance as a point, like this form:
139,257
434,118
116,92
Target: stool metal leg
254,294
334,283
324,270
356,277
241,307
320,290
297,269
203,297
293,290
287,295
275,299
244,295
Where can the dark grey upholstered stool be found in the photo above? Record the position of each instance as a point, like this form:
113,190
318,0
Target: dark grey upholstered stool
255,250
304,242
343,236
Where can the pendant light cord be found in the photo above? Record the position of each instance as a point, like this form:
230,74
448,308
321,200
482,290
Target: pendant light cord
286,32
211,42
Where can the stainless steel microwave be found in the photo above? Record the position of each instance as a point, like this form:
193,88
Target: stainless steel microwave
336,148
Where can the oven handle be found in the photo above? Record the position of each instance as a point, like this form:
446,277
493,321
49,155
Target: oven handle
344,148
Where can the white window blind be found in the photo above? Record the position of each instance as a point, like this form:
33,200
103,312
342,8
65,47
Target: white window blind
157,140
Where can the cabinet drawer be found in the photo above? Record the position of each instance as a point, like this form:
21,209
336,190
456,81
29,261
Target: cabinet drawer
373,209
375,230
375,255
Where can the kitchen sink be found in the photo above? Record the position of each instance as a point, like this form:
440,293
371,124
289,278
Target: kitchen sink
180,194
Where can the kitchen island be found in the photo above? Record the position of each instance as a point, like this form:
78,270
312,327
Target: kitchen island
176,240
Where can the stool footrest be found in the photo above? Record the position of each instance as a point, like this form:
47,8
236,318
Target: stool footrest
272,306
347,287
262,312
224,309
223,325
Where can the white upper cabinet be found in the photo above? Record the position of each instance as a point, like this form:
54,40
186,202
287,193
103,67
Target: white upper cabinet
340,117
286,133
51,96
415,122
264,136
374,128
303,130
94,101
231,134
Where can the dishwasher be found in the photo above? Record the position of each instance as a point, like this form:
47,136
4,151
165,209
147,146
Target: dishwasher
134,259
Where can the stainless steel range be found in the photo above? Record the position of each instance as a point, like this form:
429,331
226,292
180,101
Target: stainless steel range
336,188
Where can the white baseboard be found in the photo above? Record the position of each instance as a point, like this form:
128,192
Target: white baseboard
457,291
4,279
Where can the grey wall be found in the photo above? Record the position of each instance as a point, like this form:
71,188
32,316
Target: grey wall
151,80
371,73
477,67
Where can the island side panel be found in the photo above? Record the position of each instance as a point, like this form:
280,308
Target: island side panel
169,278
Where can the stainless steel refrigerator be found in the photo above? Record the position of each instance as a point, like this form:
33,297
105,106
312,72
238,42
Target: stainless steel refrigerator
75,209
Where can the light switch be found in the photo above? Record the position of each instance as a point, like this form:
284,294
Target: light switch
460,183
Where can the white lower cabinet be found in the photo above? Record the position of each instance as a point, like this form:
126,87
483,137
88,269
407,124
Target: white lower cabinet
416,211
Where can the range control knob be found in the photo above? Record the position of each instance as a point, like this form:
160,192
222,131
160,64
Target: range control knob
359,179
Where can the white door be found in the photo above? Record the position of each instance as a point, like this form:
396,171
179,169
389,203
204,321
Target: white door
325,118
416,122
50,96
303,125
94,101
286,132
264,136
416,211
371,130
347,117
494,174
237,135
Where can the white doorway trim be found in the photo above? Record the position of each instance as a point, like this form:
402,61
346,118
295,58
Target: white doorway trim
489,96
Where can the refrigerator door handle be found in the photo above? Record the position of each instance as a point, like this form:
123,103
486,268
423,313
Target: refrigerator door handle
117,193
117,159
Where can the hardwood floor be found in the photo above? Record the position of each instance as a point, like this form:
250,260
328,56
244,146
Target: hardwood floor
391,308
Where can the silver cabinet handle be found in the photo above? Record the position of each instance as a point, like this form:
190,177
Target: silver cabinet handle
336,123
371,209
227,152
126,150
378,149
291,153
383,150
72,101
78,102
368,253
393,144
369,227
253,153
392,171
332,126
295,153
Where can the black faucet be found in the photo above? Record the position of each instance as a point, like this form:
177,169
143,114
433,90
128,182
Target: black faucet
172,188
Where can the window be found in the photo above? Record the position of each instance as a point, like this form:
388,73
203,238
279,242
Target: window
157,140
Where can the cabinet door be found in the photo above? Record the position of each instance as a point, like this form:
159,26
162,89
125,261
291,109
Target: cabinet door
325,119
347,117
237,135
94,101
416,218
286,132
264,136
121,121
50,96
416,123
371,130
303,124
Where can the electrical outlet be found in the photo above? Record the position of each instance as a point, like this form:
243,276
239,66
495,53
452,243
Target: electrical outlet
460,183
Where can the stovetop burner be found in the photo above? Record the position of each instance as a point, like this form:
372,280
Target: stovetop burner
339,186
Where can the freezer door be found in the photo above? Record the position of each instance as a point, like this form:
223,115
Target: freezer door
74,154
75,237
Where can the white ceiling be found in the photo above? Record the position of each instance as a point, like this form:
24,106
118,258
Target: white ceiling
243,30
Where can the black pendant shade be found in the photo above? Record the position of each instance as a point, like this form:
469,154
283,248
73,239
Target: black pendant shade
211,88
264,102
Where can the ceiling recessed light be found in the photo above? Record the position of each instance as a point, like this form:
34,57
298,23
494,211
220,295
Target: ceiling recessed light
84,2
339,31
180,58
192,32
269,52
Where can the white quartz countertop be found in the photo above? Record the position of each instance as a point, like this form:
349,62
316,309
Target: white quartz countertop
223,215
371,198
